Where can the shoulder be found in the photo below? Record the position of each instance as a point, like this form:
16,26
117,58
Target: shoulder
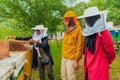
46,37
105,32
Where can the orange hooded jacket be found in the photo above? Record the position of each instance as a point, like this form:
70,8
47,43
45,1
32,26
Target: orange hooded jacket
72,45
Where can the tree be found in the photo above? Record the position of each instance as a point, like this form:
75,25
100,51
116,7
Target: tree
111,5
29,13
114,11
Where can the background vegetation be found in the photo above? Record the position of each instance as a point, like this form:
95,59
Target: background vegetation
18,16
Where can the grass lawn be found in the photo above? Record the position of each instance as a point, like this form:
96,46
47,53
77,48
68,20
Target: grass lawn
56,54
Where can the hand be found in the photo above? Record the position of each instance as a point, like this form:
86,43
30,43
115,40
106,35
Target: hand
109,66
76,65
32,41
10,37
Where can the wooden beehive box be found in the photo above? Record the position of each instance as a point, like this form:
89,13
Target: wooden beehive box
6,72
18,45
16,61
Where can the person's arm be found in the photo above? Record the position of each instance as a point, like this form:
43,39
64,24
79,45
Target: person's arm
43,43
108,45
79,44
79,48
23,38
18,38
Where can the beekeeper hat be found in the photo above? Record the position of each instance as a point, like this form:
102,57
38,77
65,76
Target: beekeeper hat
39,27
92,11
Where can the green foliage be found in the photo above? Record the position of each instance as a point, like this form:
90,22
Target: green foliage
5,31
114,11
24,14
10,27
60,28
113,6
79,9
29,13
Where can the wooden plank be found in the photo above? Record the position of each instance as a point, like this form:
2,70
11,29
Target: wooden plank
6,72
14,60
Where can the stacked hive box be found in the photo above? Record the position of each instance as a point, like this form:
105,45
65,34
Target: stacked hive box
22,46
6,72
17,62
19,70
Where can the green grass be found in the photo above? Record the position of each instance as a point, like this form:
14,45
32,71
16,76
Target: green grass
56,54
115,69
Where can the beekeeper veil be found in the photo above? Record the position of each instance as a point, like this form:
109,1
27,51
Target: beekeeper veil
93,20
43,32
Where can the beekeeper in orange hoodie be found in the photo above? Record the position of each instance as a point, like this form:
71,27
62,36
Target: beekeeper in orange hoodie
71,47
